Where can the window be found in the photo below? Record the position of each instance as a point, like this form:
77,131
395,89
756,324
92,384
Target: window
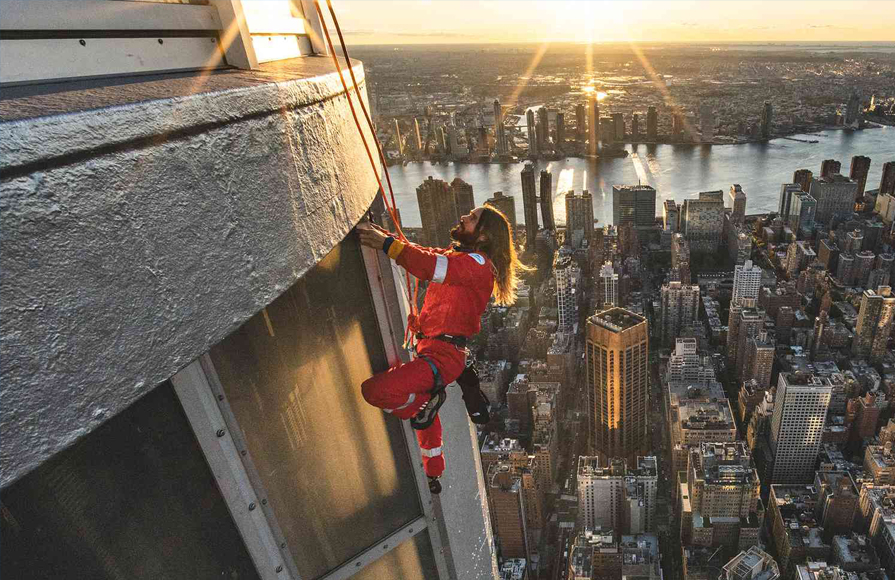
336,469
133,499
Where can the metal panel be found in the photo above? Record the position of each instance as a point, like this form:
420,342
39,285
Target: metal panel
220,450
66,15
277,47
402,539
235,36
33,60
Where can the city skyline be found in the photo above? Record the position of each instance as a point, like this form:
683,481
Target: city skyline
434,22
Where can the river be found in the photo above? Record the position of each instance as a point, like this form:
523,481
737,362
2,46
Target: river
676,171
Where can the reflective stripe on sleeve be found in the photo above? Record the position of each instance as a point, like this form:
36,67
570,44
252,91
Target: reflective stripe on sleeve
434,452
441,265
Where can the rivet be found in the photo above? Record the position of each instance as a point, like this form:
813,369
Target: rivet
220,397
283,545
82,42
214,40
243,452
221,432
160,41
357,564
385,547
410,530
251,506
263,502
279,568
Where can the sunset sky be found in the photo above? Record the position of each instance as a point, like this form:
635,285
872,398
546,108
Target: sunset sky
448,21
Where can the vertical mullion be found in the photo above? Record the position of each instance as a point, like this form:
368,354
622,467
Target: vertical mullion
220,447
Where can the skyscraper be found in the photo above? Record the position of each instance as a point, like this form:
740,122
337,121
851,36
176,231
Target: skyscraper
803,178
547,200
860,167
506,497
797,424
567,275
853,110
529,206
581,122
759,359
398,140
828,167
500,133
560,129
803,209
835,196
605,494
702,221
887,181
593,125
751,322
618,124
652,124
635,127
680,308
733,325
746,281
786,193
737,203
580,213
767,114
609,286
543,128
707,123
507,206
533,138
874,323
633,205
440,208
417,135
617,357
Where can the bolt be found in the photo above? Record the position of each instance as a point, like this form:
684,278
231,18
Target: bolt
279,568
385,547
160,41
357,564
410,530
243,451
251,506
283,545
82,42
263,502
220,397
221,432
214,40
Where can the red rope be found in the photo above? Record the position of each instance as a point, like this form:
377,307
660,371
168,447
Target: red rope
390,207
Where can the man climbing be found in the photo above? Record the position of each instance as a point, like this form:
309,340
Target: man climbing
483,260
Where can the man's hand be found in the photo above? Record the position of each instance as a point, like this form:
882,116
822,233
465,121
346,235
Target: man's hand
371,235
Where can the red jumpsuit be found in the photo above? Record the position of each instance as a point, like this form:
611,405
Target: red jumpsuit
461,286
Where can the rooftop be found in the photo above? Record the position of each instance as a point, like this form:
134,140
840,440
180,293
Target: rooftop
616,319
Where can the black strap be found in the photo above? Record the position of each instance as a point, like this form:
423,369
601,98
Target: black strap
458,341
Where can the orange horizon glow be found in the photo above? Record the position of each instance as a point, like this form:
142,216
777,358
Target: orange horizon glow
611,21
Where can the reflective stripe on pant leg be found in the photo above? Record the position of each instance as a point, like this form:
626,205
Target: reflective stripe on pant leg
410,400
430,441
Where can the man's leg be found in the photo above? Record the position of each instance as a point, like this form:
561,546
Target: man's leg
430,440
401,390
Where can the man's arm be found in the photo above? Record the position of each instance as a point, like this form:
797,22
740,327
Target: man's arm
456,268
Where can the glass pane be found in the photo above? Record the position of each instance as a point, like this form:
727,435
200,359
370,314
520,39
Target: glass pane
337,470
412,559
133,499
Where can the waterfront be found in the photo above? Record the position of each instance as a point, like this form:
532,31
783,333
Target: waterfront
676,171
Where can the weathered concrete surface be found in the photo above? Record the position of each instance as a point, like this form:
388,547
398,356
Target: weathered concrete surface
136,236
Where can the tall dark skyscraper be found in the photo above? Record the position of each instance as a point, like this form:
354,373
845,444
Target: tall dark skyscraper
828,167
530,206
560,128
803,178
581,122
652,124
543,128
860,166
887,182
767,114
547,200
533,137
593,125
635,126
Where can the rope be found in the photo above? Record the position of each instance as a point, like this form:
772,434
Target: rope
390,207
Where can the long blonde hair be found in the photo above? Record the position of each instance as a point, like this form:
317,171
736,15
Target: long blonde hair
496,240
